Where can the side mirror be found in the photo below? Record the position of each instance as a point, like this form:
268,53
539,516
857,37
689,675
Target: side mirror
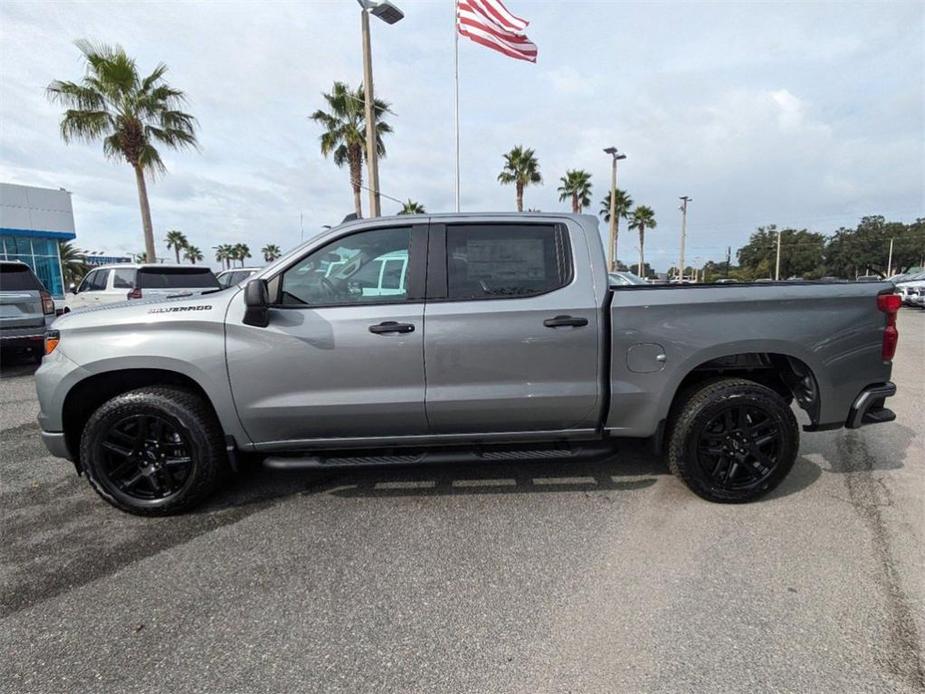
72,288
257,301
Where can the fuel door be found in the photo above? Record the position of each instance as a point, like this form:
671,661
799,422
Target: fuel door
645,358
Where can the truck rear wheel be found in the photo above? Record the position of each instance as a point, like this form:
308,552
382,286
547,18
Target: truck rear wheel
732,440
153,451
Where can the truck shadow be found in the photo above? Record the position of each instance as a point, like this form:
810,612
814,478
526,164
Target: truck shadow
17,362
632,467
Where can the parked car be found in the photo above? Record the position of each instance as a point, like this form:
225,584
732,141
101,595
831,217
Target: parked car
235,275
115,283
26,307
501,341
911,287
623,279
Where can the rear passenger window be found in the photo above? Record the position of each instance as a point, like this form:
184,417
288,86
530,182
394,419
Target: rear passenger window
124,279
506,260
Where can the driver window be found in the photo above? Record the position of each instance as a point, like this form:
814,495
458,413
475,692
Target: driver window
361,268
87,281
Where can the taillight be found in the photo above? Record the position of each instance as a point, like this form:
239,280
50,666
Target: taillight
889,304
134,294
52,338
48,304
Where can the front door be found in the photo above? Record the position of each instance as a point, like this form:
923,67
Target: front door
512,341
343,354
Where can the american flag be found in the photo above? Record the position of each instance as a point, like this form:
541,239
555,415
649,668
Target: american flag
489,23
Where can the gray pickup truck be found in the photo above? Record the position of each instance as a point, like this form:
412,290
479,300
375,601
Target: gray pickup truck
467,337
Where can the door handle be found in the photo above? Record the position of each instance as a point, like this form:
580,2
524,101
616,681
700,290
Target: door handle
391,326
564,321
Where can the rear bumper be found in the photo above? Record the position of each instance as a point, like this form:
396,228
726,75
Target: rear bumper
22,336
55,443
868,406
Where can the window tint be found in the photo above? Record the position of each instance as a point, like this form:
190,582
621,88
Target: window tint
98,281
370,266
124,279
176,278
17,277
87,281
498,260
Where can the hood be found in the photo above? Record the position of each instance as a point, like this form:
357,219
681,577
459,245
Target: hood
149,311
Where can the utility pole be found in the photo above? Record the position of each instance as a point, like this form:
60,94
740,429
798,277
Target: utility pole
612,151
777,266
389,14
728,260
889,263
684,200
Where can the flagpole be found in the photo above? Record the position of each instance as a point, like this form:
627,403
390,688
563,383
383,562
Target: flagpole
456,86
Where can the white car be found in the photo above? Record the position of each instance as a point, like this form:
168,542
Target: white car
911,286
110,284
235,275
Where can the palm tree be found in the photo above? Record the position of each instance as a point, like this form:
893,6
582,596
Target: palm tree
73,266
177,241
271,252
224,254
344,133
129,113
140,257
241,252
641,219
192,254
521,168
622,208
412,207
576,184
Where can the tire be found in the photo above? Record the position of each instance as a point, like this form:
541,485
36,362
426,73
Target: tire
153,451
732,440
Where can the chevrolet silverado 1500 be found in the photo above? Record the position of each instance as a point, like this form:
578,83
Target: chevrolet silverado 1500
459,337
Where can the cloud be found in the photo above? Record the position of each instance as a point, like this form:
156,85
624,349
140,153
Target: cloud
798,114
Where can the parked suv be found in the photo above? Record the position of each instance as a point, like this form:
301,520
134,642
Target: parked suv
113,283
235,275
26,308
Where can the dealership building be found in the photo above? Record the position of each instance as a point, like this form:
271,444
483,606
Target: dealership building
32,223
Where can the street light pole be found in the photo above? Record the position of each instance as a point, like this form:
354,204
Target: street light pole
684,200
889,263
612,151
390,14
777,264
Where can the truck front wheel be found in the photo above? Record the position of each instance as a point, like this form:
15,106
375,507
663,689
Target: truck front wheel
732,440
153,451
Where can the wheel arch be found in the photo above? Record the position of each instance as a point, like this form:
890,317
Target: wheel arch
86,396
785,373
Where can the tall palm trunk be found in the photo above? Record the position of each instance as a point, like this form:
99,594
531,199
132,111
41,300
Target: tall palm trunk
177,251
616,236
575,208
520,196
150,254
356,178
642,241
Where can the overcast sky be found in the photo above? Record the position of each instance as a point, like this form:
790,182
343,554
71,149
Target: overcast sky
804,114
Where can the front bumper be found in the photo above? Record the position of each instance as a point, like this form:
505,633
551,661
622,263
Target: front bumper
868,406
55,443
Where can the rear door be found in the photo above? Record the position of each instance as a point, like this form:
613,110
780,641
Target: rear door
20,297
512,339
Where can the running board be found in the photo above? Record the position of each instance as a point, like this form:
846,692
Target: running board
482,455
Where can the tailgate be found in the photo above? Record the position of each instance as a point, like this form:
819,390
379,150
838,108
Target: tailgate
21,310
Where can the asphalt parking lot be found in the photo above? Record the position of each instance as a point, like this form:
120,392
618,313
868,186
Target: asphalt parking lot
592,577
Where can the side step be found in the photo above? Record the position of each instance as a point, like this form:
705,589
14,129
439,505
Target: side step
449,455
